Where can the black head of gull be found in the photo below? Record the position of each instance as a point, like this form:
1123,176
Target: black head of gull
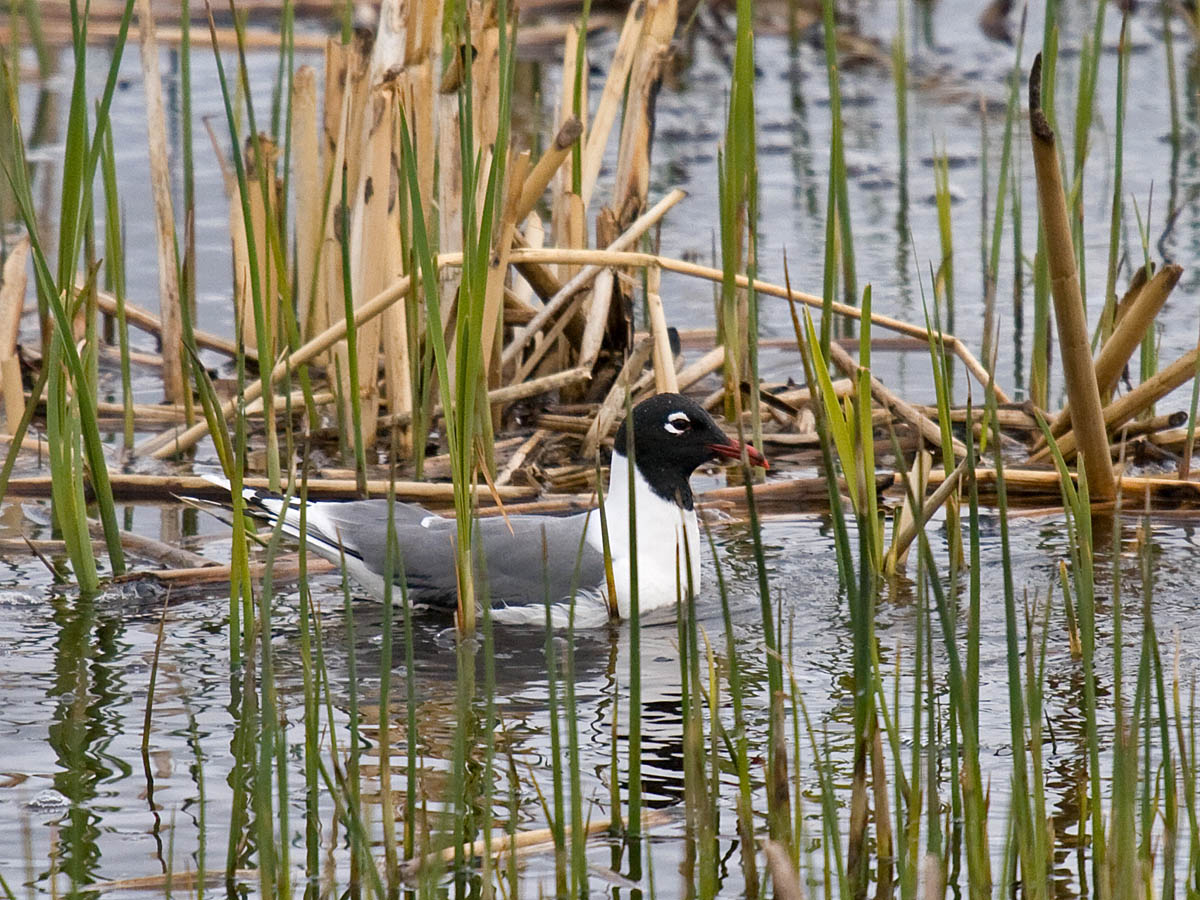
672,437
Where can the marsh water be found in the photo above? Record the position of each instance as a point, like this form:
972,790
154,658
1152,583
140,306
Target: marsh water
80,803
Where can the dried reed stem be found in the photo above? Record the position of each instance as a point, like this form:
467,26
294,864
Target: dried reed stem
310,210
664,361
164,212
1127,335
1083,392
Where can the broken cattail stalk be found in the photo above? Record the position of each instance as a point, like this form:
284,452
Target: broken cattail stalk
534,185
701,368
1126,337
596,318
1131,404
174,384
1079,373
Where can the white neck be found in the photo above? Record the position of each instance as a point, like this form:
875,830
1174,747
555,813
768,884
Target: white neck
667,538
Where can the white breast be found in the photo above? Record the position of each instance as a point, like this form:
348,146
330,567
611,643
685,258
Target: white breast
667,538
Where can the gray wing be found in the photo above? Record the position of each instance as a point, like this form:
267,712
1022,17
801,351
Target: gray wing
517,569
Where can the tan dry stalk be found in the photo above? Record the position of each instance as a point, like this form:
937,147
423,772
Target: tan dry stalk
597,305
148,322
1139,315
518,458
918,477
1079,373
165,445
376,257
13,282
345,98
14,393
522,842
620,258
310,210
614,402
165,487
610,99
568,223
1131,404
1136,283
285,568
664,361
1046,483
633,156
588,272
700,368
550,162
164,212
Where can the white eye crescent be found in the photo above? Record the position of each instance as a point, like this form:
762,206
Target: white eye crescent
677,423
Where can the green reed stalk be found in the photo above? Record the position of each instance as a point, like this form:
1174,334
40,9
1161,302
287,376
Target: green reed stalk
114,274
1078,508
900,78
258,297
491,724
1085,105
360,858
633,827
992,260
356,432
1108,314
943,284
391,565
410,725
837,153
739,748
312,707
273,854
201,803
579,866
1025,828
286,326
738,201
558,822
81,157
962,700
577,95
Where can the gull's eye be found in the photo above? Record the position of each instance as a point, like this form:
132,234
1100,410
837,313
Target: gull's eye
677,423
